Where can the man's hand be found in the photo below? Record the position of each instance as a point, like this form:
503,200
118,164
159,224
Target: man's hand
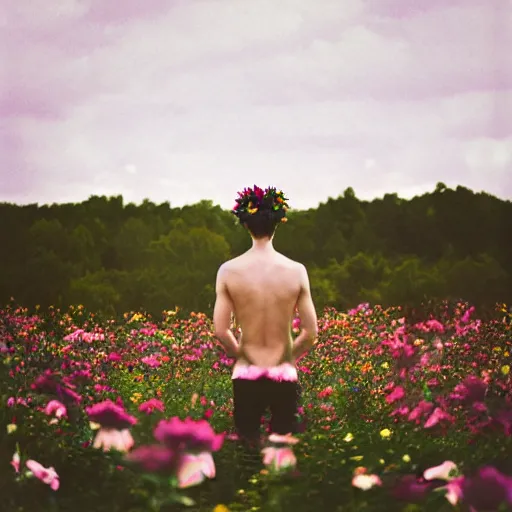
228,341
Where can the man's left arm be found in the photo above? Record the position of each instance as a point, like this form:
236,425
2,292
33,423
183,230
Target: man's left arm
222,315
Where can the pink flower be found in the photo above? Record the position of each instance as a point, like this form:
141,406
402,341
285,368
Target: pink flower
505,418
110,415
435,325
150,405
365,482
411,489
454,490
47,475
437,416
441,472
151,361
188,435
472,389
283,439
395,395
422,408
487,489
325,393
155,458
400,411
57,408
48,384
279,459
193,469
15,462
111,438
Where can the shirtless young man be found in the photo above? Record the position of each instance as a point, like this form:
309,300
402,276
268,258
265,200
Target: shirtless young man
263,288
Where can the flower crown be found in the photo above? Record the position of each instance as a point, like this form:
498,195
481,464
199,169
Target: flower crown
254,200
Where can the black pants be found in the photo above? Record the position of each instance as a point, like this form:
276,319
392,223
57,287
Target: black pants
253,397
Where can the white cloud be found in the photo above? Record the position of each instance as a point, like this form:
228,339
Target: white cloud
489,156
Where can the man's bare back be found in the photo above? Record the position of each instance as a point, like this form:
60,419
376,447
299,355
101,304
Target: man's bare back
263,288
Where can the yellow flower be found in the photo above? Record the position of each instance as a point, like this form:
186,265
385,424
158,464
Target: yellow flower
505,369
385,365
136,317
406,458
94,426
348,438
221,508
496,349
136,397
12,427
385,433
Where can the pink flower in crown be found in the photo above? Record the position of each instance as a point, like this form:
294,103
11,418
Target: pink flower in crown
188,435
259,192
47,475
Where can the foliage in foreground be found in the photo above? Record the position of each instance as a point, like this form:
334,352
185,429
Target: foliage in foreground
382,402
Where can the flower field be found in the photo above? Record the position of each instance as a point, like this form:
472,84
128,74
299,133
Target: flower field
136,415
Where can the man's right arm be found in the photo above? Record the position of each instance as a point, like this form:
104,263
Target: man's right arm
308,319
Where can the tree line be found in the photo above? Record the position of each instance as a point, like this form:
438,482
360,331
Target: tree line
112,257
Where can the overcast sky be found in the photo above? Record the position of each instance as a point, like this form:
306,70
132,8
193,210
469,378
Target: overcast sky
183,100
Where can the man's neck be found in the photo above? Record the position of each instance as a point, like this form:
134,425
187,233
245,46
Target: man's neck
262,245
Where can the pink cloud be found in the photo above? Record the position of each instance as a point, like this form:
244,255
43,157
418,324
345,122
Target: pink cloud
92,88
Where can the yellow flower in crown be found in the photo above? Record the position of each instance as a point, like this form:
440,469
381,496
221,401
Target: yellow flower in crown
251,209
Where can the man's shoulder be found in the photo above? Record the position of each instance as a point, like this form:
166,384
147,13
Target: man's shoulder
295,265
229,265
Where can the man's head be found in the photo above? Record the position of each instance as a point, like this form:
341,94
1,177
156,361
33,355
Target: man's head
260,211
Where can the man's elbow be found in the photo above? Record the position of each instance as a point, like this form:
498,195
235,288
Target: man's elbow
220,333
311,335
